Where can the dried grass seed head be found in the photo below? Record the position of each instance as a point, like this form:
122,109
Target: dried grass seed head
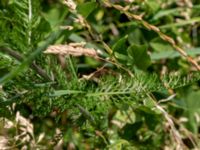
74,49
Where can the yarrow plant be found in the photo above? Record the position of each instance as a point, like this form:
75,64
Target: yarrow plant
105,74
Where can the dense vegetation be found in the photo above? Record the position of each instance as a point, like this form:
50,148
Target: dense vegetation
110,74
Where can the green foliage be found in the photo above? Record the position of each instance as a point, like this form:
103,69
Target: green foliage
120,49
125,99
86,8
139,56
20,21
192,110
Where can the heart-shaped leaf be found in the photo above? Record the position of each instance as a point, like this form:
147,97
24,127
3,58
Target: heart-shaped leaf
138,55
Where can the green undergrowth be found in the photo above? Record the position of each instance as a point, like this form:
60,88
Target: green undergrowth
139,94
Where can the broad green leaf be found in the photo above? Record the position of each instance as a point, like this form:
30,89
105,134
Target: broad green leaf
55,16
136,36
173,11
121,57
77,38
165,12
86,8
193,101
44,25
120,46
158,45
153,5
181,23
120,49
139,57
173,54
192,104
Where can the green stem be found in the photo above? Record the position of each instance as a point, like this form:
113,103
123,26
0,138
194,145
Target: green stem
72,68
